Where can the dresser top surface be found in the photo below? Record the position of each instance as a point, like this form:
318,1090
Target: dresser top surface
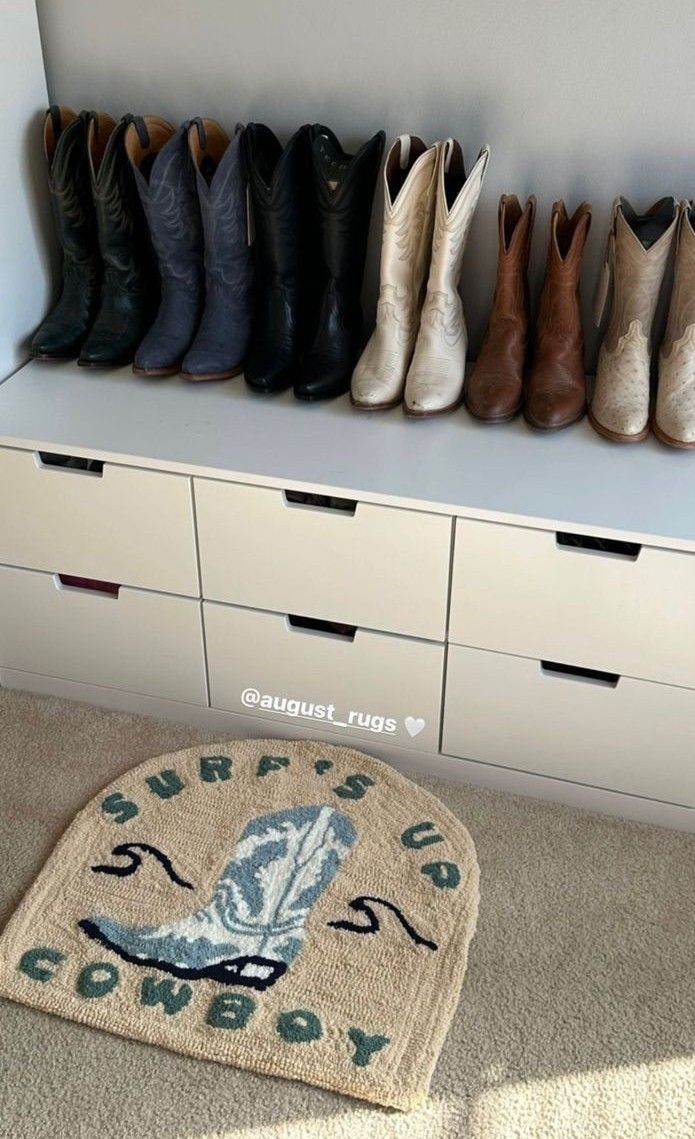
450,464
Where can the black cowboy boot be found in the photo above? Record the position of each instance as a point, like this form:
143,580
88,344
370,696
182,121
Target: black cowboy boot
344,189
283,256
64,330
130,285
166,184
218,351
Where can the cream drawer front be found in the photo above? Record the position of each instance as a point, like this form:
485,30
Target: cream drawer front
124,525
520,591
375,687
637,737
379,568
141,642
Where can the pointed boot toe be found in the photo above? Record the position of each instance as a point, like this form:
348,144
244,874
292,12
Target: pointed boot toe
493,397
377,388
552,406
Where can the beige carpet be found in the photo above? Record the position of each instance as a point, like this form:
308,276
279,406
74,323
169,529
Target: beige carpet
577,1019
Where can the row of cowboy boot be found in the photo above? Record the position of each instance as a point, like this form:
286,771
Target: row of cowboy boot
637,254
108,280
311,207
417,352
554,394
192,187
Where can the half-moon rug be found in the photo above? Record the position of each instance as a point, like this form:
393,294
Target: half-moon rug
292,908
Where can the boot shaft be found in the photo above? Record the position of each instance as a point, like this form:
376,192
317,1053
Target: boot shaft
681,313
283,247
409,189
515,230
161,165
343,193
457,197
559,311
124,241
221,182
65,150
637,253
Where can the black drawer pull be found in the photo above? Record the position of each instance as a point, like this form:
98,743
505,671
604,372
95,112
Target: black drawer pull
71,463
629,550
320,501
89,584
314,625
610,679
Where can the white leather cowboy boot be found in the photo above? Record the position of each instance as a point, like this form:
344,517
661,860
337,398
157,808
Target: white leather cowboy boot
435,378
636,255
674,420
409,185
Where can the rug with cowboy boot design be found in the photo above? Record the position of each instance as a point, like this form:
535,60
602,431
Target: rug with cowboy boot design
292,908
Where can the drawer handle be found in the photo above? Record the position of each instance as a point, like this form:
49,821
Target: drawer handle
87,585
572,671
320,501
328,628
628,550
51,461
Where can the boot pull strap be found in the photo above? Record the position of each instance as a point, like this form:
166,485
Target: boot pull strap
683,208
199,125
607,268
143,134
56,120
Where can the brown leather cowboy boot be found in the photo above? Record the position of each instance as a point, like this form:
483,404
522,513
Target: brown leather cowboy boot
556,394
495,389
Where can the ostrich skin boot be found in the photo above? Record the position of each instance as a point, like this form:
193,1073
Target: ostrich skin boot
343,188
556,393
674,419
63,332
495,389
434,383
218,351
166,184
409,183
283,255
130,287
637,253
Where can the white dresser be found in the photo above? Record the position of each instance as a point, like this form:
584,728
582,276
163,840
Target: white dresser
512,608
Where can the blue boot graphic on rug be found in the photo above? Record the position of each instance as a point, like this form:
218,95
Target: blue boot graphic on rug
253,927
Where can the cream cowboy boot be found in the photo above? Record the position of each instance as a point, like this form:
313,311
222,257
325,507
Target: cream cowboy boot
674,420
636,255
435,378
409,184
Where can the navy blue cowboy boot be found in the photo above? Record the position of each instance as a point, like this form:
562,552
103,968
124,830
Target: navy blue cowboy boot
218,351
166,185
130,285
61,335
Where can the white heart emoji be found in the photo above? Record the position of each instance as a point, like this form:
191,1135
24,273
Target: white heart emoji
413,725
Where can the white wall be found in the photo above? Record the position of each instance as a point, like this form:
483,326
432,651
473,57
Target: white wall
578,99
25,224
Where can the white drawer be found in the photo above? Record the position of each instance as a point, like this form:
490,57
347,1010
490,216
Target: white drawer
117,524
377,567
142,642
633,736
522,591
374,687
